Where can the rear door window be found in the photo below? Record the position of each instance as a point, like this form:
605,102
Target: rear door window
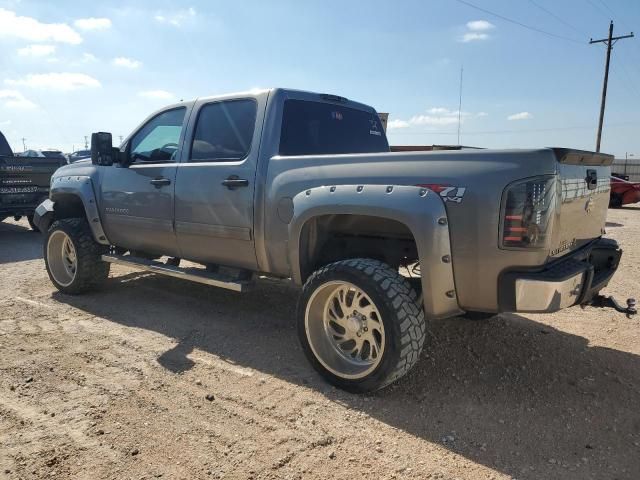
317,128
224,131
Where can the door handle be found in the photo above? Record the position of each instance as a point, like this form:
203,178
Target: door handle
159,182
234,182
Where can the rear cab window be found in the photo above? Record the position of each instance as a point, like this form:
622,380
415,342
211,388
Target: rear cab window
317,128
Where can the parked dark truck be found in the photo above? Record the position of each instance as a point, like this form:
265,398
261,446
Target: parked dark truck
301,185
24,182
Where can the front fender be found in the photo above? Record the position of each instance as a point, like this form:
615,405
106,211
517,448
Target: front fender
419,209
80,187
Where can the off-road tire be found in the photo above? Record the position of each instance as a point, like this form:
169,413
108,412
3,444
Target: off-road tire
402,316
33,226
91,271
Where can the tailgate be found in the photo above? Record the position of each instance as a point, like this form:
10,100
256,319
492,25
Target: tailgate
22,172
584,180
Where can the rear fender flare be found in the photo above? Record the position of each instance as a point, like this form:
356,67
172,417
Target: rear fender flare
81,187
419,209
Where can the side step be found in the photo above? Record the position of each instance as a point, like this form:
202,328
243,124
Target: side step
192,274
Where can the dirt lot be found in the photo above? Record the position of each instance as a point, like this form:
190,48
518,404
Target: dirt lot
112,385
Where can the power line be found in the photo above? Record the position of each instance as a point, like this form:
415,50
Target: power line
516,22
599,9
615,17
561,20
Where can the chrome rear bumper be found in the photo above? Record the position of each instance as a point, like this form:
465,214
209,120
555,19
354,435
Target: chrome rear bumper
572,280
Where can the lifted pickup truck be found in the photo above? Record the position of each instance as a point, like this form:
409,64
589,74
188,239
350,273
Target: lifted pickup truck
301,185
24,182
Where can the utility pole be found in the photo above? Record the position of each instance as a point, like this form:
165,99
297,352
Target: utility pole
24,145
609,42
460,105
86,142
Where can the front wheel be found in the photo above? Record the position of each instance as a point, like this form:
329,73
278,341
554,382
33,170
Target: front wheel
33,226
360,324
73,257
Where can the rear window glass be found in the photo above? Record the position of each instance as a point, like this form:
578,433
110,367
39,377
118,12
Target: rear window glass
224,131
316,128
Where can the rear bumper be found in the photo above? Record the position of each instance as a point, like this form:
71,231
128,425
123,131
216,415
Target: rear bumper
11,205
572,280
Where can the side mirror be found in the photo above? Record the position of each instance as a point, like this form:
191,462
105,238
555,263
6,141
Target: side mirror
102,151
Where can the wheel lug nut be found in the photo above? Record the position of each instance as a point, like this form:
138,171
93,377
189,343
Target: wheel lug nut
365,329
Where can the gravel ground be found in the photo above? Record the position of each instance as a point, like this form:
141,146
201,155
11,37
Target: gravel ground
154,377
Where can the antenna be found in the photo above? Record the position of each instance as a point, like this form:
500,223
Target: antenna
460,105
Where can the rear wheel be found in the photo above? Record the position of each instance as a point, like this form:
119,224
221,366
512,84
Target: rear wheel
615,201
73,257
360,324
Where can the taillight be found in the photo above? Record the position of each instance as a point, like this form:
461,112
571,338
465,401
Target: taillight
527,215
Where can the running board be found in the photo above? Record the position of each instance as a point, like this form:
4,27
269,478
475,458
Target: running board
191,274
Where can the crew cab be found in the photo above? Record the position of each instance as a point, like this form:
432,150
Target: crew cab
301,185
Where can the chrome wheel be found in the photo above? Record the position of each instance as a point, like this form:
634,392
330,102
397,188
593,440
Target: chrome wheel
62,258
344,330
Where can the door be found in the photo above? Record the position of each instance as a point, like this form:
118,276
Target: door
138,199
215,183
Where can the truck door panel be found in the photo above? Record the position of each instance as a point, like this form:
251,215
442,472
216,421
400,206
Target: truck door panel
215,184
138,200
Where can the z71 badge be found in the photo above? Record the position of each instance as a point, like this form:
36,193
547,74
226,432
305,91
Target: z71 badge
448,193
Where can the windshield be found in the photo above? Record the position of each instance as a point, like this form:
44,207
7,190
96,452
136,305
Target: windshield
316,128
52,154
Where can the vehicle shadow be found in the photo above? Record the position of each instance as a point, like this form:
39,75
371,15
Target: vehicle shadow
18,242
510,393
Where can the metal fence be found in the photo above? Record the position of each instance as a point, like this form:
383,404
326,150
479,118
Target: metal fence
627,167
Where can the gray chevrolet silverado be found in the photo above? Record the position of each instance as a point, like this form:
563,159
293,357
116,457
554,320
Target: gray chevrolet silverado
300,185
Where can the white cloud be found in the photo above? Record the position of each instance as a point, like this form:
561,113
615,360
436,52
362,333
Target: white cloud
88,57
126,62
436,116
177,18
476,30
15,99
473,36
36,50
480,25
159,94
56,81
93,23
520,116
394,124
28,28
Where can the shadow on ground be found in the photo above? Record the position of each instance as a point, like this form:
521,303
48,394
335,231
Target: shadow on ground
18,242
509,393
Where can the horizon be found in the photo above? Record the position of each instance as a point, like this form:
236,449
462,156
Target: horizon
72,68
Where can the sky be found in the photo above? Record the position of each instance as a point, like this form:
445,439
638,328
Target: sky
530,77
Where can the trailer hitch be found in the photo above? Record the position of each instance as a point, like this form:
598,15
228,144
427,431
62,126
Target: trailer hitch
603,301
